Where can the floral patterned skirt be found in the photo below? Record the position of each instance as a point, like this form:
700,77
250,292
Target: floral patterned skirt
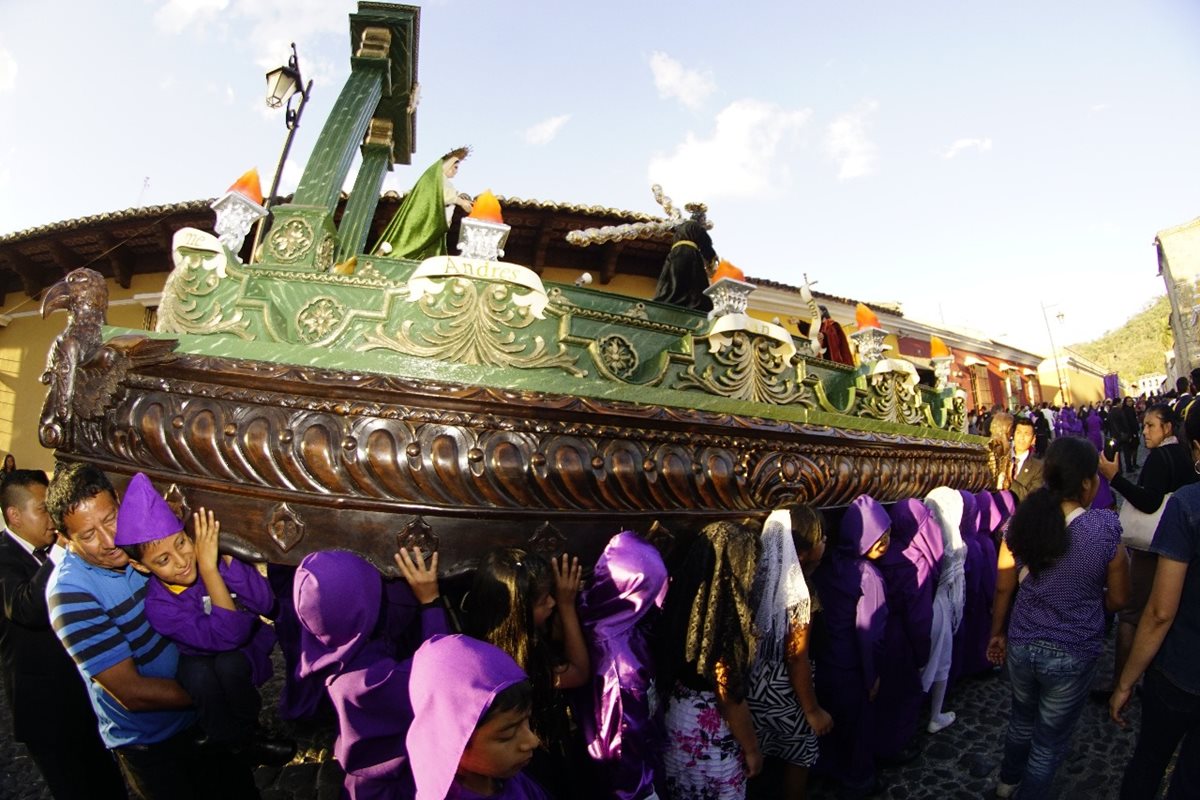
702,760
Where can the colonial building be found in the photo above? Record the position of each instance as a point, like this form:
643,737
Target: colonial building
1179,266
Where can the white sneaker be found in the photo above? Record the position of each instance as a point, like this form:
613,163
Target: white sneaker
941,722
1006,789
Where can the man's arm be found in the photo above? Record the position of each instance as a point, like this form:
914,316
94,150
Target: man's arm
24,599
138,693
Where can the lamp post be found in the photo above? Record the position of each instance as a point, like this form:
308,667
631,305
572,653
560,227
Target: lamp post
284,84
1058,369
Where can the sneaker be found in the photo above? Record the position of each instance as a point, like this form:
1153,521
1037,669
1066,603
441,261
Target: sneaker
1006,789
941,722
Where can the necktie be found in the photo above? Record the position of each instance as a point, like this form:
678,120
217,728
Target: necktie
42,553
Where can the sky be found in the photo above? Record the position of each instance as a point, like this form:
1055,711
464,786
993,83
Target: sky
972,161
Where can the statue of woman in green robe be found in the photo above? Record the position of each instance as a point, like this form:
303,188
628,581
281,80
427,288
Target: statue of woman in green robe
418,231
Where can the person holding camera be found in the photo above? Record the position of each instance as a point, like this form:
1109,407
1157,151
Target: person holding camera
1167,468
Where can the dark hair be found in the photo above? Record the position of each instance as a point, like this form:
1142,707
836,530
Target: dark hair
808,525
499,610
14,490
1023,421
1037,534
518,697
1166,415
1191,425
135,551
71,485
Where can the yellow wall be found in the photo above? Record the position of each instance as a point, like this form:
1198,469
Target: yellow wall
24,346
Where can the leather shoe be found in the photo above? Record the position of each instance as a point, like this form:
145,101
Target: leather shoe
269,752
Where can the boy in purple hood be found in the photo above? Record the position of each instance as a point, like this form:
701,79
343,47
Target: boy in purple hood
853,593
211,607
470,735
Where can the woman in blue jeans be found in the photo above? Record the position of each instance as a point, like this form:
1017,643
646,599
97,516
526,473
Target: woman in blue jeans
1167,650
1067,567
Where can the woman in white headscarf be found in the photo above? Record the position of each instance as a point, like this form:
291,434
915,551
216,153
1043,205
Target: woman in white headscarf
947,507
783,703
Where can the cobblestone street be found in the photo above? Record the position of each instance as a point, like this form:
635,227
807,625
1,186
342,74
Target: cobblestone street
959,762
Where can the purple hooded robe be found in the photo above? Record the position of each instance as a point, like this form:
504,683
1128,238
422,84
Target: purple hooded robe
976,608
616,711
970,655
909,569
204,630
455,679
853,596
338,598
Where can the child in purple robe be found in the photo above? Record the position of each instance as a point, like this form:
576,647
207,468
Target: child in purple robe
946,505
338,599
909,569
971,653
470,736
855,607
975,603
618,711
211,607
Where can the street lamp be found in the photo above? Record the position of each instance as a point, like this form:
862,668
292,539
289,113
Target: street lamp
284,84
1058,369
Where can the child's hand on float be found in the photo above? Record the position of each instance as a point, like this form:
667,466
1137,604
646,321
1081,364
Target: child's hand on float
422,578
208,537
567,579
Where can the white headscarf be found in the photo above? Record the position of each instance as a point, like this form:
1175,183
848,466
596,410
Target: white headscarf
947,507
784,602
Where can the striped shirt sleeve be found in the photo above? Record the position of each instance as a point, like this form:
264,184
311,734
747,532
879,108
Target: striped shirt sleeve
86,631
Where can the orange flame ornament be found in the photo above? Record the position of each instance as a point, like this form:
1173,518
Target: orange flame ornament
486,208
726,270
249,186
865,317
938,348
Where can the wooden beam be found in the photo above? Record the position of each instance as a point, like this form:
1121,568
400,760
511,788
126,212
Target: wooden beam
117,256
611,252
27,271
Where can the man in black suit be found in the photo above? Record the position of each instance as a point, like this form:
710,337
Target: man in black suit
51,711
1027,468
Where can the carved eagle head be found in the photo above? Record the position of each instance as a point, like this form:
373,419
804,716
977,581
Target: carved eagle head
83,294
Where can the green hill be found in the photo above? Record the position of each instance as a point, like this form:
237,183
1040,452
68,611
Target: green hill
1136,348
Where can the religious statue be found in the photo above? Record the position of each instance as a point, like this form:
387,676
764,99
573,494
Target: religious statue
684,275
837,346
418,230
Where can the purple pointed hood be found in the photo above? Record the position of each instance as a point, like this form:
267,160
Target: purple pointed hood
990,515
864,522
630,578
454,681
338,597
916,537
144,516
1007,502
968,526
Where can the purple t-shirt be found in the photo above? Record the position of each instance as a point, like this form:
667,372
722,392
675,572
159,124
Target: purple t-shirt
1064,603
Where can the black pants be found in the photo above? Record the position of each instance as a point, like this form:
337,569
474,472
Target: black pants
181,769
77,766
223,693
1169,714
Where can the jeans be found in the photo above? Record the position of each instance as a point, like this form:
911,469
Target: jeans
1169,714
181,769
1049,689
224,695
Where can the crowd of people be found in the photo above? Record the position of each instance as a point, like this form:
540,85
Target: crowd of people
638,682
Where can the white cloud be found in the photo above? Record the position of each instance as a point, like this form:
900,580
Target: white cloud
8,71
176,15
688,86
959,145
738,160
545,131
1099,108
847,142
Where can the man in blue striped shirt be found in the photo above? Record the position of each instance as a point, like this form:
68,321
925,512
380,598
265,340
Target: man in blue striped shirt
97,608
